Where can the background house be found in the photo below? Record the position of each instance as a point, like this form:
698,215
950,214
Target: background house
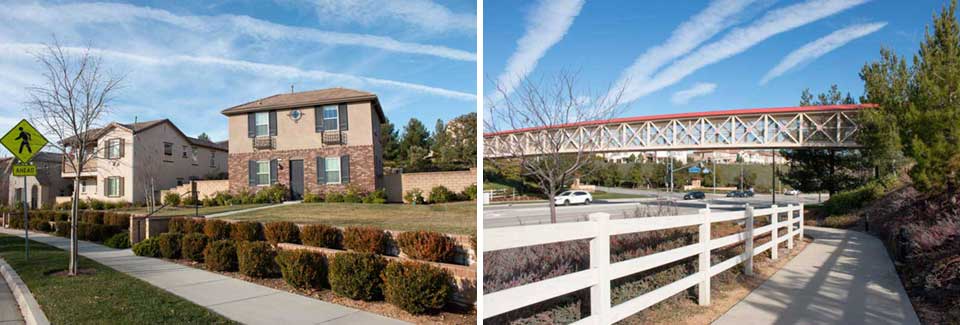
43,189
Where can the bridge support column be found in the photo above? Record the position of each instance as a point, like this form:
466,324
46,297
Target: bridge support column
703,289
775,234
748,242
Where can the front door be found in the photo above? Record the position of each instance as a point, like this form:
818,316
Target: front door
296,179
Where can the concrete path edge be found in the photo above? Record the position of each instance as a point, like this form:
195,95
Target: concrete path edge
32,314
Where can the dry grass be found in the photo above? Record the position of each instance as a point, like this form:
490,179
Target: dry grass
184,211
453,218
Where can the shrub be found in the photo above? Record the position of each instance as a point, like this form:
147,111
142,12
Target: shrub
15,222
116,219
171,199
149,247
416,287
414,196
40,225
312,198
841,221
376,197
322,236
357,275
282,232
440,194
303,269
221,255
470,193
208,202
170,244
96,233
216,229
94,217
188,201
246,231
353,194
365,239
276,193
192,246
333,197
62,229
256,259
223,198
186,225
427,245
96,204
121,240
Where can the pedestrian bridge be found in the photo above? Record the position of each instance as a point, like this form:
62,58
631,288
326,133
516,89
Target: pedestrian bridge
829,126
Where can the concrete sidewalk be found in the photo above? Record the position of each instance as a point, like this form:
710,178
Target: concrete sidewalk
843,277
238,300
9,310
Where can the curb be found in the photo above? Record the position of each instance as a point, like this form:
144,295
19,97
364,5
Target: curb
32,314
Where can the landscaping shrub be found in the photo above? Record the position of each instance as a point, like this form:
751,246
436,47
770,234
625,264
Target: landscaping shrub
40,225
276,193
376,197
186,225
427,245
312,198
117,219
221,255
470,193
333,197
353,194
322,236
303,269
256,259
62,229
357,275
216,229
440,194
95,204
223,198
188,201
171,199
121,240
282,232
842,221
414,196
94,217
416,287
365,239
192,246
246,231
96,233
149,247
16,222
170,244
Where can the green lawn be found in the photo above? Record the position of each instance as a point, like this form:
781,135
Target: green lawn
106,297
181,211
454,218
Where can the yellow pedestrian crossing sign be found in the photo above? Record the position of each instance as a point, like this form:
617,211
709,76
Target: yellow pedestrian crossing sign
23,141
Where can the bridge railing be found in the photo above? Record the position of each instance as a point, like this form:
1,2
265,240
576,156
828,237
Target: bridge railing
598,277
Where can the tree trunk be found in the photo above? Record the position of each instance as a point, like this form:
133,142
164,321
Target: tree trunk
553,207
72,269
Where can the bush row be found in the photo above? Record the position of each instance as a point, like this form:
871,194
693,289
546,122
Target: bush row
93,204
87,216
848,201
352,194
440,194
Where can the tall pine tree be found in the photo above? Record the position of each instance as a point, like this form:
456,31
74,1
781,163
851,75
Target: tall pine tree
390,142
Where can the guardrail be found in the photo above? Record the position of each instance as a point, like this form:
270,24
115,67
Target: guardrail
601,272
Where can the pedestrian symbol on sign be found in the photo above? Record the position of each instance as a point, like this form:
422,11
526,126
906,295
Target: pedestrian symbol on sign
24,138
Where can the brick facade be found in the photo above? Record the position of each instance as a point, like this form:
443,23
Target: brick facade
363,170
455,181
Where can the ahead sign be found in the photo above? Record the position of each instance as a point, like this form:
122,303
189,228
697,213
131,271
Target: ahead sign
24,141
24,170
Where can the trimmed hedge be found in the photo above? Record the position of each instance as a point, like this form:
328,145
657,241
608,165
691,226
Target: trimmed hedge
303,269
186,225
322,236
216,229
117,219
357,275
96,233
256,259
365,239
221,255
170,244
416,287
62,229
149,247
282,232
427,245
192,246
40,225
246,231
121,241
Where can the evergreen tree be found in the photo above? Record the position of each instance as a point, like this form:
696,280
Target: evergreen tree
440,145
390,142
203,136
414,135
463,134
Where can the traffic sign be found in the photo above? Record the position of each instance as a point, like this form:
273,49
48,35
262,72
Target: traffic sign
23,141
24,170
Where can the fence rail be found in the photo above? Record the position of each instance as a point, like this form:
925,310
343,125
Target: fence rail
598,277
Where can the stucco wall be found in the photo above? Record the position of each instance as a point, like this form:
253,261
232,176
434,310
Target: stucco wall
301,134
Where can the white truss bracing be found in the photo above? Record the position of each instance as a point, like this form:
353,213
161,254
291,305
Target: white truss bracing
810,129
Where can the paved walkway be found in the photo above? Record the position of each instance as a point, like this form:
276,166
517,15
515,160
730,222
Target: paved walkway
224,214
9,311
238,300
843,277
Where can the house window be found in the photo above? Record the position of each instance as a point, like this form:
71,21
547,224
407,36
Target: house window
113,186
113,148
332,170
167,149
263,172
213,159
262,123
184,152
193,153
331,118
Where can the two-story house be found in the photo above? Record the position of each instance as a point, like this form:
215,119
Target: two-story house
135,159
311,141
43,189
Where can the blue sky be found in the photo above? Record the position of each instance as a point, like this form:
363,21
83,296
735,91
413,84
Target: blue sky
188,60
686,56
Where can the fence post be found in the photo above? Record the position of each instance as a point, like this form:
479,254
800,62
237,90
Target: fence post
801,221
748,242
790,226
600,262
703,268
775,234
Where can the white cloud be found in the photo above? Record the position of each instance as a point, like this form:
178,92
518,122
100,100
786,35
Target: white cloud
741,39
546,25
425,15
262,69
697,90
813,50
99,13
693,32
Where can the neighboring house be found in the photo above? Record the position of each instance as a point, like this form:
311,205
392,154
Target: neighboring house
312,141
43,189
147,157
5,171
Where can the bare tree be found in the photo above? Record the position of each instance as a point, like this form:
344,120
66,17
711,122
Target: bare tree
70,105
554,112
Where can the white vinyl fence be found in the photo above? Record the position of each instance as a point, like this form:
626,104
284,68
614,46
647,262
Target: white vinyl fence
601,272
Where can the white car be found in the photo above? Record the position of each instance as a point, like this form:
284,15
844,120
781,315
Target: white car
573,197
791,192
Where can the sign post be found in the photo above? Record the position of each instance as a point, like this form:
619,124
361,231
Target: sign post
24,142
